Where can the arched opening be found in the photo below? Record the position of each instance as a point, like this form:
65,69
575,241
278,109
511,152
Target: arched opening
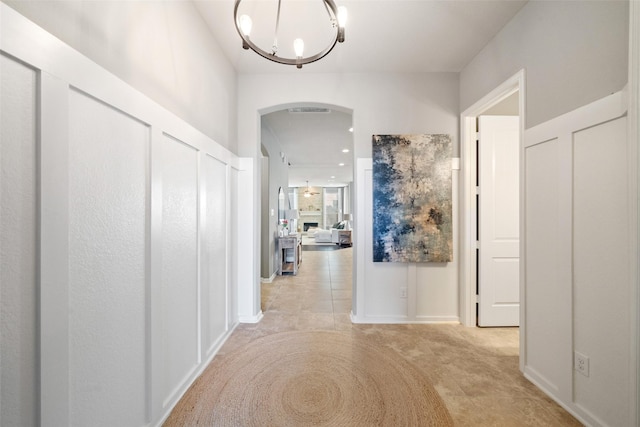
310,152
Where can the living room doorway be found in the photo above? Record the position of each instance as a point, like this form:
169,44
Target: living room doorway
311,155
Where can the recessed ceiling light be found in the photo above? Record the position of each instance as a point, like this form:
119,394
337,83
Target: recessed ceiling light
332,176
346,150
340,164
350,129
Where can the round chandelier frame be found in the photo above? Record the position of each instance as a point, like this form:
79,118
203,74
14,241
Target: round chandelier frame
299,61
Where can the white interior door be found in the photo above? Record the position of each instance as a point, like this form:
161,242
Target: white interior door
498,221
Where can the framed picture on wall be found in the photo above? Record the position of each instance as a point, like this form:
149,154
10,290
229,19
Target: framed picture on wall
412,199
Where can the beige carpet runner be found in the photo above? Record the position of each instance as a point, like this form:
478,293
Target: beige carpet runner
310,378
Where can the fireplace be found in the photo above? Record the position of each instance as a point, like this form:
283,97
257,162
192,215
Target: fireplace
308,225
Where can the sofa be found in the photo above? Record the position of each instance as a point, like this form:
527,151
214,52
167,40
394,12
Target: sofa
322,236
328,236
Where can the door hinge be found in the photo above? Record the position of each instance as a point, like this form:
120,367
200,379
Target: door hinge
477,189
477,299
477,244
477,136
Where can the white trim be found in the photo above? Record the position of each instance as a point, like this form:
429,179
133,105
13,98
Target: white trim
54,250
196,374
634,189
252,319
247,228
405,320
362,165
468,192
548,388
268,279
155,370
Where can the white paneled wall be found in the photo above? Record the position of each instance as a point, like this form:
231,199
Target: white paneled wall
179,264
119,275
108,171
18,244
547,310
601,282
215,245
577,275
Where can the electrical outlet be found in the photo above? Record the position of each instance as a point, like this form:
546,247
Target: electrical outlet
403,292
581,363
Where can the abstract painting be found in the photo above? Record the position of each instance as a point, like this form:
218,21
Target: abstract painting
412,201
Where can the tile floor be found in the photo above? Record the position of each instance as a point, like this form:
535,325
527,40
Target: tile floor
475,370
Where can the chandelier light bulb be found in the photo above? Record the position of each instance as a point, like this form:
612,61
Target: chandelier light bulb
298,47
342,16
246,24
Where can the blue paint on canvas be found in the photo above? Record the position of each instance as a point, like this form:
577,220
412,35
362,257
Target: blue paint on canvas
412,201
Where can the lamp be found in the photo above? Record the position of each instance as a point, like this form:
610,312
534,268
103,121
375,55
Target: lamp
291,215
337,20
347,218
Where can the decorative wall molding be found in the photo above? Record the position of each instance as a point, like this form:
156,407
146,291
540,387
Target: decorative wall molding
128,326
566,162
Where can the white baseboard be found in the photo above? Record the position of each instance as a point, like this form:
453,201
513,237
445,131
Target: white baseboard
405,320
548,389
268,279
252,319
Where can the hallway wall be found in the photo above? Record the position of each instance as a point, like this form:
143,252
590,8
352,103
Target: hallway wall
163,48
381,104
574,53
119,244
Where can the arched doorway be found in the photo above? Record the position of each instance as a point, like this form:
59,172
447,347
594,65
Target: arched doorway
307,145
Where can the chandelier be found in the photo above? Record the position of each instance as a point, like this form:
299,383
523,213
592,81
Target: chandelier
337,19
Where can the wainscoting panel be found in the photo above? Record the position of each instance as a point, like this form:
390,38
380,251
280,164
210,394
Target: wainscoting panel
19,398
546,299
578,228
180,290
601,268
116,252
108,153
232,248
214,257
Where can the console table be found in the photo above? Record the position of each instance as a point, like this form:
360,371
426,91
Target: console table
289,253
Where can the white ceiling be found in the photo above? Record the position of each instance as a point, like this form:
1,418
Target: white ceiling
313,144
381,36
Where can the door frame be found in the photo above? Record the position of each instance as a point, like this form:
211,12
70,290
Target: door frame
468,216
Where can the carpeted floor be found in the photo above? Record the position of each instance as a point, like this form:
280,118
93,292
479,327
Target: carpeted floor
281,371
